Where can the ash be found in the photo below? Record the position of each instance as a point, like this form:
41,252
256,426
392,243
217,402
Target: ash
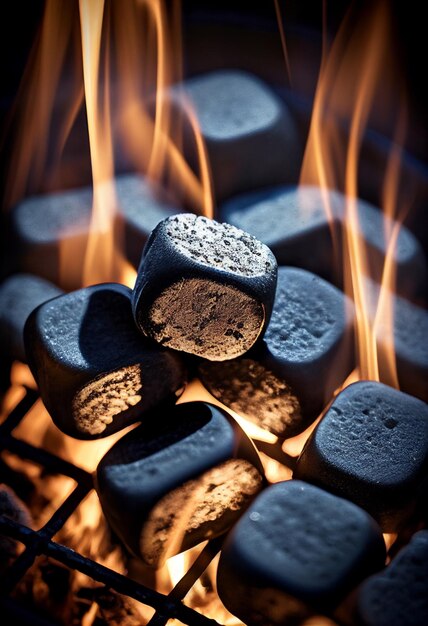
222,246
198,506
98,402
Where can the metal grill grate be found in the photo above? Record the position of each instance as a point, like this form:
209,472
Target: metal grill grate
39,543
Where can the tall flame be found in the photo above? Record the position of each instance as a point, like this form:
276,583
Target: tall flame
31,164
150,127
101,261
128,57
348,87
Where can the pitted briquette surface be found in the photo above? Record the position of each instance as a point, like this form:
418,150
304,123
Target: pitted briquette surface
304,534
371,447
206,318
222,246
301,320
372,429
296,550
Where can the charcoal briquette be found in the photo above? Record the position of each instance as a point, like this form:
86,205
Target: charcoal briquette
296,550
410,345
141,206
42,229
240,118
372,448
306,353
300,225
182,477
398,596
95,372
204,288
40,225
20,294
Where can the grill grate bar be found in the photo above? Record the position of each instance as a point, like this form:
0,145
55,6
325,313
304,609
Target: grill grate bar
61,515
49,461
40,542
25,560
184,585
123,585
16,415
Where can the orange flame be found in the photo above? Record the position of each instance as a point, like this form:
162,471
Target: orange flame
29,167
100,259
348,87
153,140
131,57
283,40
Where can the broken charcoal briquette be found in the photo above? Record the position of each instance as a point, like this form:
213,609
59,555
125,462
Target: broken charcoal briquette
301,224
307,351
295,551
20,294
184,476
372,448
398,596
204,288
240,118
96,373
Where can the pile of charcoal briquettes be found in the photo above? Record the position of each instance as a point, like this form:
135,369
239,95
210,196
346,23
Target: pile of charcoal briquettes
270,343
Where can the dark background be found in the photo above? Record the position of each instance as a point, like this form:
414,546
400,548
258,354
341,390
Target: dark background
245,35
231,21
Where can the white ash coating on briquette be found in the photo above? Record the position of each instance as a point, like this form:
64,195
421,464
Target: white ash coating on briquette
98,402
249,388
206,318
201,502
222,246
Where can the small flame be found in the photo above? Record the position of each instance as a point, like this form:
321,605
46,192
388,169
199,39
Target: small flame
283,40
196,391
294,445
348,83
390,539
177,567
203,594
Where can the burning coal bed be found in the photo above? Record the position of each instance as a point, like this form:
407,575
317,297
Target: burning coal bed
273,345
238,397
